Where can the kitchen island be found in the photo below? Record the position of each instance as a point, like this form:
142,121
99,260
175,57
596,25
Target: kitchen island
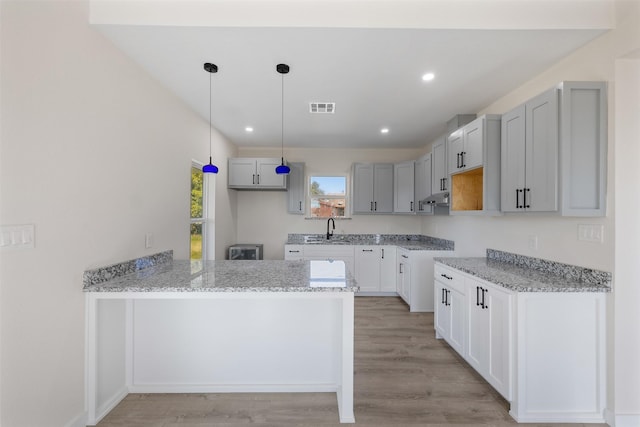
155,325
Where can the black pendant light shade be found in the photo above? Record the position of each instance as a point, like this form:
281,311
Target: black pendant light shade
210,168
282,169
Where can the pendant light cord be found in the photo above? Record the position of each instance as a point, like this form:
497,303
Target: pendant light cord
282,117
210,126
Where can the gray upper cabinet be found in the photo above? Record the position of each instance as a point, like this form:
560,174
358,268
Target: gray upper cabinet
373,188
247,173
404,187
554,152
423,185
465,147
439,175
295,191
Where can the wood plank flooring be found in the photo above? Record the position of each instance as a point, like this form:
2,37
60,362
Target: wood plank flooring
403,377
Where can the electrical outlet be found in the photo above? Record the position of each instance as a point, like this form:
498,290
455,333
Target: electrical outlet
591,233
148,240
17,236
533,242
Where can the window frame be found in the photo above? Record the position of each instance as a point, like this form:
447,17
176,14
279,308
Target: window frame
345,197
203,220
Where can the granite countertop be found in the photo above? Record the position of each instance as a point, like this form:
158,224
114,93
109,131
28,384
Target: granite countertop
525,274
228,276
406,241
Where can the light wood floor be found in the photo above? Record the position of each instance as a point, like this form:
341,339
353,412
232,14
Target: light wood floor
403,376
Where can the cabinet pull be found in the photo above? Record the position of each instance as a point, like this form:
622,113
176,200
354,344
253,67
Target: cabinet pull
258,179
518,199
375,206
300,205
484,291
477,295
371,208
526,190
404,256
382,253
458,161
400,268
444,184
441,184
446,301
253,180
367,250
446,277
462,159
293,252
442,299
411,206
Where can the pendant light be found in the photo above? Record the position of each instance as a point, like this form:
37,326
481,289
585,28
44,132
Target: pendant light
282,169
210,168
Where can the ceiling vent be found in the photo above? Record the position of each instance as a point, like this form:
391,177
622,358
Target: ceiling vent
322,107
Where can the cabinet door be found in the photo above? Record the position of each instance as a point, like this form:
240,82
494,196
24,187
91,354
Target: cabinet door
383,188
442,314
512,160
362,188
455,148
242,172
457,309
498,367
477,352
295,192
439,176
403,191
266,173
542,153
473,144
367,268
404,276
388,269
422,185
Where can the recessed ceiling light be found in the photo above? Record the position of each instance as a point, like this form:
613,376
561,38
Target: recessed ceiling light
384,130
248,129
428,77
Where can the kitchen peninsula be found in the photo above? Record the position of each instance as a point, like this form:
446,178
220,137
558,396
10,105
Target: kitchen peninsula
155,325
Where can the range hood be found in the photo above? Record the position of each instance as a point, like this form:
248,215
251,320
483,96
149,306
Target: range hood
441,199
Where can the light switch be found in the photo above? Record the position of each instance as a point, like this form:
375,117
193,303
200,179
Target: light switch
591,233
17,236
148,240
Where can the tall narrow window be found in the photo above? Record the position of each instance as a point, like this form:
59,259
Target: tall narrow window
198,214
328,196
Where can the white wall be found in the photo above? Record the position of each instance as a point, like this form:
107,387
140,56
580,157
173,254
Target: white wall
263,217
95,154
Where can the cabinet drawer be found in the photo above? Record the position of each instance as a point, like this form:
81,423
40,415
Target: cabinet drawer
449,277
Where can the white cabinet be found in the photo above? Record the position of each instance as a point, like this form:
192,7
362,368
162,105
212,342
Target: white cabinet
403,187
423,185
295,190
403,280
489,346
321,252
293,252
450,307
415,277
246,173
475,167
373,188
439,175
374,268
554,152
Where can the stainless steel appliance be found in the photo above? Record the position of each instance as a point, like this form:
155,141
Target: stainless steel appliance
246,251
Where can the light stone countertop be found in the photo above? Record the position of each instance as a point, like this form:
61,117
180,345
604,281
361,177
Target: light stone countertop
522,278
406,241
233,276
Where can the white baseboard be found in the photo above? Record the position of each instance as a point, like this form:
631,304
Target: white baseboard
107,406
621,420
233,388
79,421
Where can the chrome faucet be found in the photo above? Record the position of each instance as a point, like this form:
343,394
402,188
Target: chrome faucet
334,227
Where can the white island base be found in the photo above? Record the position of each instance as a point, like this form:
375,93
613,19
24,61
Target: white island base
218,342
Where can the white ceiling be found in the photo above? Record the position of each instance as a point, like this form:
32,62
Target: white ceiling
372,74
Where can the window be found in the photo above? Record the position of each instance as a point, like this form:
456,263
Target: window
328,196
198,223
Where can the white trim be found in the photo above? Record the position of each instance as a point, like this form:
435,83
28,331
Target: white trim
621,420
233,388
79,421
113,401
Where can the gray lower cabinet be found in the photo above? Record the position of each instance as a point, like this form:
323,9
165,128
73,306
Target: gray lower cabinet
295,190
554,150
374,268
372,188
